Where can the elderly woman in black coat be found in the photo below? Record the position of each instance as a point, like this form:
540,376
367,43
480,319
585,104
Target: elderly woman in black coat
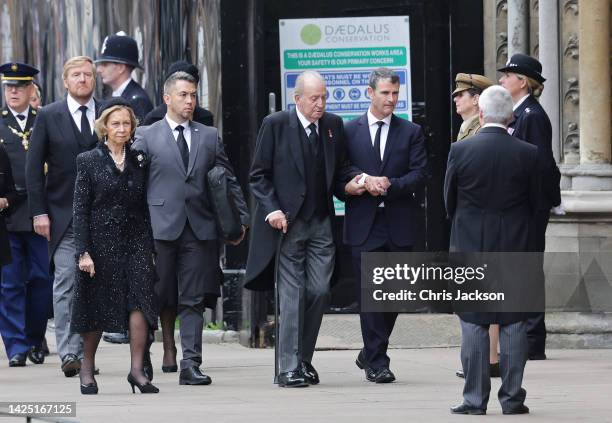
114,244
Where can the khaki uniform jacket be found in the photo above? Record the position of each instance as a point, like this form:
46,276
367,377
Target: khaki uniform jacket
469,128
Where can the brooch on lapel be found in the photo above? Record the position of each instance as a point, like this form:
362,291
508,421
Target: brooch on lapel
330,134
527,110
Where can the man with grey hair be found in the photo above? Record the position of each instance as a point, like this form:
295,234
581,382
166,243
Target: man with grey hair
491,192
299,161
180,154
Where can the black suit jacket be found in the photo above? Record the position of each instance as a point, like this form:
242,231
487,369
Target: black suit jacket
138,98
55,141
277,182
531,124
200,115
491,192
404,163
7,190
19,219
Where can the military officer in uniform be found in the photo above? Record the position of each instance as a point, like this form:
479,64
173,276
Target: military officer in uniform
26,298
117,60
468,88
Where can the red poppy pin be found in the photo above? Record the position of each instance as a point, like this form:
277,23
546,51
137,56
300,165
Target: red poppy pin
330,134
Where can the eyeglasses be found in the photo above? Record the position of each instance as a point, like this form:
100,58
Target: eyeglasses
18,88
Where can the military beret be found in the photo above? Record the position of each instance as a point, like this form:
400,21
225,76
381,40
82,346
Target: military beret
465,81
15,73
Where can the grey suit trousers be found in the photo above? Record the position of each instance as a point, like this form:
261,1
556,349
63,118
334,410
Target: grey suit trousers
306,264
475,361
63,290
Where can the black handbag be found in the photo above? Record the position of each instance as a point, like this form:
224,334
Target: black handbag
223,203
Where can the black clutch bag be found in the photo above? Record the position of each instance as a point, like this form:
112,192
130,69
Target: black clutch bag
224,205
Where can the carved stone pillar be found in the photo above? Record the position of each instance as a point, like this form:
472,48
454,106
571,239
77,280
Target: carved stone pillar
518,27
594,65
549,57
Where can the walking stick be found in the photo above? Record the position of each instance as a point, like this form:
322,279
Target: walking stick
276,301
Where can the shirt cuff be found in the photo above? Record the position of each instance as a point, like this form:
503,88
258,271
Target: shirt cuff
270,214
41,215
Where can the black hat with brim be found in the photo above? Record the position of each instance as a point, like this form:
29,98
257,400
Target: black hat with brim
119,48
113,101
15,73
524,65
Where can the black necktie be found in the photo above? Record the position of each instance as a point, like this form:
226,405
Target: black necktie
20,117
85,128
313,137
380,124
182,145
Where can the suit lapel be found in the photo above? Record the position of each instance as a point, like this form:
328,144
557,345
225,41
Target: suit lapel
168,138
295,142
30,121
196,140
391,142
64,117
365,144
327,136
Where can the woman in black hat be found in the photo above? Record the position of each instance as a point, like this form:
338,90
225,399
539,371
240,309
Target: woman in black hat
114,245
522,77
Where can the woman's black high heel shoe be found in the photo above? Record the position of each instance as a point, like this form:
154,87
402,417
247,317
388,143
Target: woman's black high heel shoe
146,388
89,388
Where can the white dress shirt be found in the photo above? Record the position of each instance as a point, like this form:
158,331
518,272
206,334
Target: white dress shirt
73,106
22,123
494,125
175,132
384,131
121,89
518,103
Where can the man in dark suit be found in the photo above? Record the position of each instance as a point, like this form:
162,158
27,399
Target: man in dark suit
491,191
522,77
26,286
118,58
390,152
181,153
200,114
63,130
298,160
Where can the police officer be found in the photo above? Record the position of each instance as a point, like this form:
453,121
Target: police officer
468,87
117,60
522,77
26,284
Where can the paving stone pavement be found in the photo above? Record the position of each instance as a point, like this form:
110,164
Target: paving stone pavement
572,386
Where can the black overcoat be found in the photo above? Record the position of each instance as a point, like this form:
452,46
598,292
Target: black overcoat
491,193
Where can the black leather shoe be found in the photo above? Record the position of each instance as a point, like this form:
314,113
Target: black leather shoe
383,375
193,376
293,379
537,356
117,338
459,373
36,355
310,374
170,369
465,409
18,360
522,409
361,362
494,370
71,365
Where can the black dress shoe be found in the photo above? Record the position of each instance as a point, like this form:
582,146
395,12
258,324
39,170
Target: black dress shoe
383,375
310,374
36,355
459,373
537,356
18,360
361,362
193,376
522,409
170,369
465,409
494,370
293,379
71,365
117,338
